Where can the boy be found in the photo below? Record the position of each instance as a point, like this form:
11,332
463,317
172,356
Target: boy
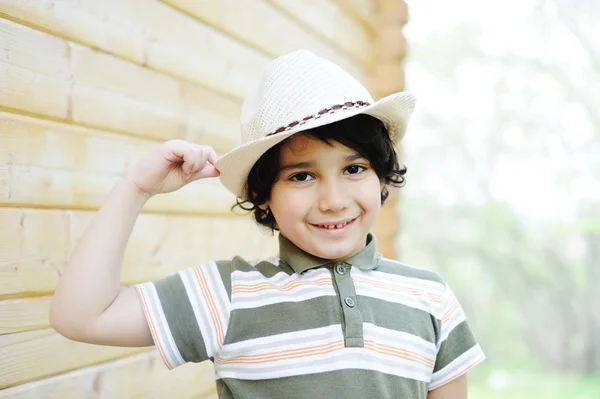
328,316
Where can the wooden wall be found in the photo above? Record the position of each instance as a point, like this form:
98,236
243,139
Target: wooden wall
86,87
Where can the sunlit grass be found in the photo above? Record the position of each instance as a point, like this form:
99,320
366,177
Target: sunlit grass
488,382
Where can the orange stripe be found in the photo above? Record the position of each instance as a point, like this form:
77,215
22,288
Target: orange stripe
152,327
456,375
399,352
412,291
212,307
286,355
450,311
285,287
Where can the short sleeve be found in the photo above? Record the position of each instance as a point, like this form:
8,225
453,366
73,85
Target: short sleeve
188,312
457,349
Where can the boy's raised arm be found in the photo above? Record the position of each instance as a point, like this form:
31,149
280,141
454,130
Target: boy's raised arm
89,305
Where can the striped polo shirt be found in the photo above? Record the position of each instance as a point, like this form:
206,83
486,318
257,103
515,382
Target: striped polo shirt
297,326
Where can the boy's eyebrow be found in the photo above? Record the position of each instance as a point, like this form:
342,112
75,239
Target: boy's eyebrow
299,165
353,157
308,165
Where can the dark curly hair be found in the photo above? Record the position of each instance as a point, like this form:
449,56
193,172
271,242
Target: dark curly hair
363,133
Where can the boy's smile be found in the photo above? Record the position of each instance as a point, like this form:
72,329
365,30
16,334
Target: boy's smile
326,197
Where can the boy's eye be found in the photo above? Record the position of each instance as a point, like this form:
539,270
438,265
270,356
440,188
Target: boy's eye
355,169
300,177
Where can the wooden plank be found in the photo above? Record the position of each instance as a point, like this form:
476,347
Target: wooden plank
34,73
391,12
41,187
112,94
138,376
331,23
390,44
150,33
238,19
36,246
27,140
24,314
49,164
98,90
361,10
32,355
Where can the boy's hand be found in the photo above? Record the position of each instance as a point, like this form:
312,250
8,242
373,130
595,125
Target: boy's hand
171,166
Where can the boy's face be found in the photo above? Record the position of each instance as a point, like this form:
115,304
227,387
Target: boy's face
326,197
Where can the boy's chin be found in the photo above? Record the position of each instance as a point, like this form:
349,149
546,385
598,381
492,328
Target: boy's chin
335,252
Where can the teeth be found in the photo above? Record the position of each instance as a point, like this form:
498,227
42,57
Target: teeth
333,226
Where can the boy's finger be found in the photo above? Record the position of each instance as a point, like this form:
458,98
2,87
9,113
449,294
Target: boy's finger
207,171
180,152
212,155
199,160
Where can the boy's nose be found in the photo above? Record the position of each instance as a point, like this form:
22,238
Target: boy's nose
332,197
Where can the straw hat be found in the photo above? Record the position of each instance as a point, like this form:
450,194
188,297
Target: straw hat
297,92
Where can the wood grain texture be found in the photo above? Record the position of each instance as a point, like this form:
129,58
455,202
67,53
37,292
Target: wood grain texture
76,84
34,71
276,33
364,11
150,33
24,314
39,242
329,21
54,165
32,355
388,78
138,376
42,187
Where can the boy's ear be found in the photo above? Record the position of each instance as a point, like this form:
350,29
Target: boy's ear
264,206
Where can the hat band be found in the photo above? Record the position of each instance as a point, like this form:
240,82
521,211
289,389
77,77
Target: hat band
327,111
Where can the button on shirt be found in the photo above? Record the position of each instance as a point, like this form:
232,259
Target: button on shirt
297,326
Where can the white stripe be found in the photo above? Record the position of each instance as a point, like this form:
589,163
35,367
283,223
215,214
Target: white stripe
158,319
262,298
271,259
219,294
275,290
342,358
346,358
400,264
458,316
401,291
290,340
201,311
457,367
398,338
255,277
433,287
423,303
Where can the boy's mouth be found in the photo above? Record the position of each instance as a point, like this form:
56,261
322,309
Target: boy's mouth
334,225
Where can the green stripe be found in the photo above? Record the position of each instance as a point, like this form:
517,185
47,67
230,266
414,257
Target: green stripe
180,317
282,318
325,311
458,342
224,268
398,317
348,383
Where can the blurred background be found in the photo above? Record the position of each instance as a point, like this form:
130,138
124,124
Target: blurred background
503,156
503,183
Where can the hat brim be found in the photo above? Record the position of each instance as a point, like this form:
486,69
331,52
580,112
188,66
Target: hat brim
234,166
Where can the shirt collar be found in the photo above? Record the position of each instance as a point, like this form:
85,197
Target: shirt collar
301,261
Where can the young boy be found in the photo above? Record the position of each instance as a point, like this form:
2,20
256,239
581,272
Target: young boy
328,316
